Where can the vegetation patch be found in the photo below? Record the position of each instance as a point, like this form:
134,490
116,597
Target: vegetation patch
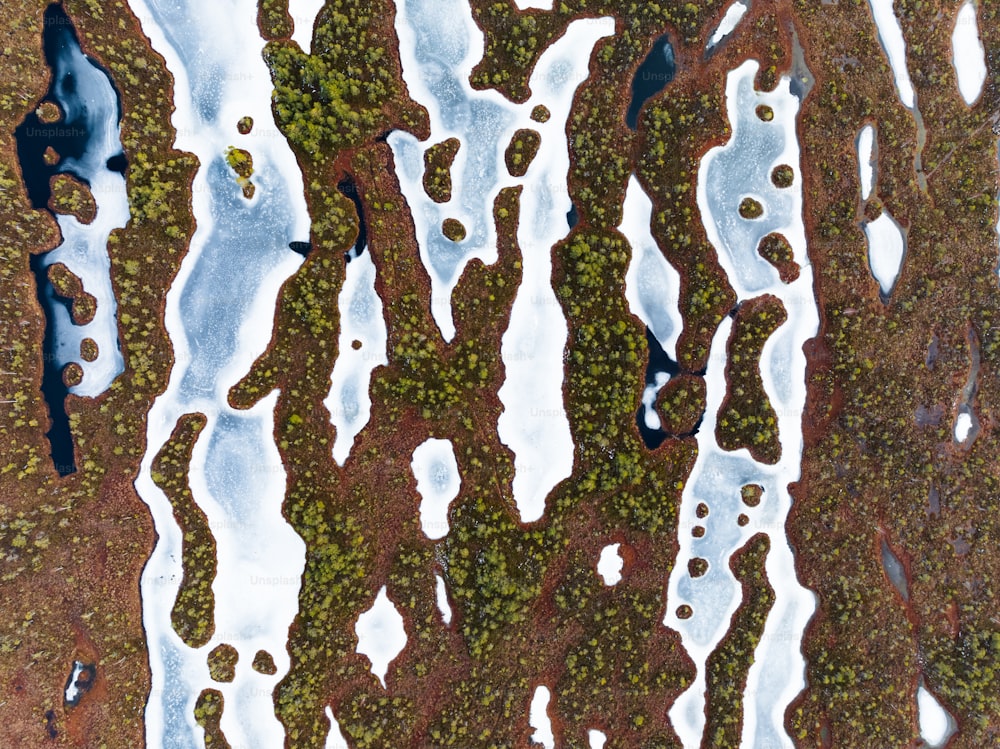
521,151
72,197
775,249
437,169
222,662
208,715
746,416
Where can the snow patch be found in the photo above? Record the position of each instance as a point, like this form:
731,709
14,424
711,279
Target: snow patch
441,593
596,738
381,634
335,738
303,13
866,164
935,723
610,564
890,33
733,16
886,251
436,471
361,322
968,55
539,719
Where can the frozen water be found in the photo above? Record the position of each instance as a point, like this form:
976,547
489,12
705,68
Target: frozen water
866,164
335,738
441,593
303,13
963,425
891,35
219,317
886,251
610,564
734,14
596,738
539,719
436,471
381,635
935,723
652,285
739,168
968,55
361,321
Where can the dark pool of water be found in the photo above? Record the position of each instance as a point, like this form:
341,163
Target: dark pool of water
350,190
659,362
652,76
572,216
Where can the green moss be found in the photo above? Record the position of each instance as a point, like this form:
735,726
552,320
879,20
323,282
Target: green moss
775,249
453,229
750,208
437,169
521,151
222,663
208,715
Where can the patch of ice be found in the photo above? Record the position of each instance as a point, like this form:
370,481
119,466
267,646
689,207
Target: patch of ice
436,471
866,164
72,690
303,13
539,719
335,738
542,4
361,322
381,634
935,723
968,55
891,35
610,564
596,738
441,593
963,426
886,251
652,285
733,16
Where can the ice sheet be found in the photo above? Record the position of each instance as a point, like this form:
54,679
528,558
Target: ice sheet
886,251
303,13
968,55
219,317
539,718
866,164
935,723
727,174
610,564
436,471
362,321
734,14
381,635
891,35
89,101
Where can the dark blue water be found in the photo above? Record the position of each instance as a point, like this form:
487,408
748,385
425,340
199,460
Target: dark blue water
652,76
71,139
350,190
572,216
659,362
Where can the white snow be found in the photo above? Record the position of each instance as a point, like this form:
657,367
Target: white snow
213,51
935,723
968,55
652,285
525,4
610,564
72,691
891,35
740,167
362,320
539,719
734,14
596,738
866,164
303,13
436,471
441,594
963,425
886,250
381,635
335,739
439,44
650,417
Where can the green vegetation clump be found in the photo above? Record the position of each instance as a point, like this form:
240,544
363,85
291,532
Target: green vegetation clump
697,567
244,125
263,663
453,229
193,613
72,375
681,404
72,197
241,162
437,169
728,665
521,151
222,662
783,176
89,350
208,715
751,494
775,249
765,113
540,113
746,416
751,208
